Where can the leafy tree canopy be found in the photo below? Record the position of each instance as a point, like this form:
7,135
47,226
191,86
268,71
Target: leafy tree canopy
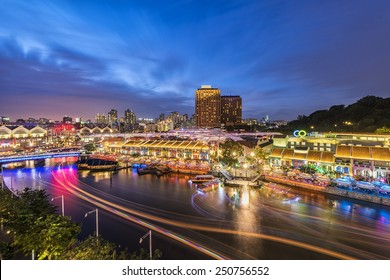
231,151
366,115
93,248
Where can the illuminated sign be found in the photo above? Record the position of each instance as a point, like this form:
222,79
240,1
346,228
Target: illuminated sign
299,133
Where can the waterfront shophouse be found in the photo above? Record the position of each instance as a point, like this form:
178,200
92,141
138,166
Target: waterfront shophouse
175,149
21,136
366,155
365,161
297,151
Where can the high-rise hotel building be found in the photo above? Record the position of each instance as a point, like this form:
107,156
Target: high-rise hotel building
208,107
231,109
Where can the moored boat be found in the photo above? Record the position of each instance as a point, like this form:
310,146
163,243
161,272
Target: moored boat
202,178
365,185
95,164
344,181
209,186
146,170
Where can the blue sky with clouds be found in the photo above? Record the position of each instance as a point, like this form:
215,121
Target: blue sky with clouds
284,58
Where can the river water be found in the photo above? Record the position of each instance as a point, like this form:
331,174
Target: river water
275,222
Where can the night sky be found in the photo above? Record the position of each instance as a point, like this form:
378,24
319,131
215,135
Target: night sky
285,58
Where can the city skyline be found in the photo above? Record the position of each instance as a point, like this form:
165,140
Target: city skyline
284,59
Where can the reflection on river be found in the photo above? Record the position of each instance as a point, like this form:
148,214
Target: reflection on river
275,222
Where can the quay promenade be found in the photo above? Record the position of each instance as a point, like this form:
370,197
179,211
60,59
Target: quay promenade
374,198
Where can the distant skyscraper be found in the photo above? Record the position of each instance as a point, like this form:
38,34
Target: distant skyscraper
67,120
130,117
231,109
175,118
4,120
101,119
113,117
208,107
77,123
192,121
161,117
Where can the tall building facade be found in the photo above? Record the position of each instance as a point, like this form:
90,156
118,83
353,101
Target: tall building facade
101,119
208,107
129,121
231,109
4,120
113,117
67,120
130,117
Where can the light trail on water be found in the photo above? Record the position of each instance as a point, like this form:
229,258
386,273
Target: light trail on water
99,201
103,204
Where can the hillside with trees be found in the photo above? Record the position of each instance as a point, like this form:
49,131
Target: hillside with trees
369,114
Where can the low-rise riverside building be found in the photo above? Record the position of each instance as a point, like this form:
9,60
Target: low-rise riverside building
175,149
355,154
21,136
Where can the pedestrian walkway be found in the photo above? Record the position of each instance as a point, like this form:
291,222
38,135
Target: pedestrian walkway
226,174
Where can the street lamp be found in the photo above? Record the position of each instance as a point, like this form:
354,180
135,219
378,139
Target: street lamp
39,181
332,205
246,170
2,178
235,164
97,219
62,203
149,233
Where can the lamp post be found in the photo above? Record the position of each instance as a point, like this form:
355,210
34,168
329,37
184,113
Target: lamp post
332,206
2,178
235,164
39,181
62,203
149,233
97,219
246,170
254,160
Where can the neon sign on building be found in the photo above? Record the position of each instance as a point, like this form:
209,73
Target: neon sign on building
299,133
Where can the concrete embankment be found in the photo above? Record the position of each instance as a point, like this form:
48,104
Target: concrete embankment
331,190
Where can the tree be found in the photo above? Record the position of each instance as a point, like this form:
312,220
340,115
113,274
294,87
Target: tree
90,147
50,237
36,202
367,114
231,151
7,208
20,212
144,255
383,130
309,168
35,225
7,251
258,157
93,248
97,248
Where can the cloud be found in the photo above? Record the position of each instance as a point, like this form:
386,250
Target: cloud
30,86
285,59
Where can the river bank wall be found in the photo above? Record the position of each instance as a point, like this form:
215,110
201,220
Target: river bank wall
331,190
